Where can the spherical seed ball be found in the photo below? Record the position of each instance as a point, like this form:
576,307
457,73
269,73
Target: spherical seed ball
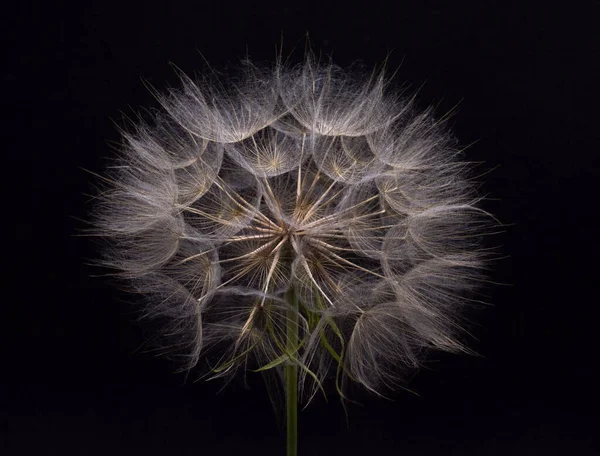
307,179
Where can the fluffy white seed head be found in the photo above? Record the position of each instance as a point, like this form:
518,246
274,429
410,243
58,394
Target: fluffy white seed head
308,179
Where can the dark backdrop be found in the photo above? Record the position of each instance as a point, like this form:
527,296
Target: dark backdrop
525,79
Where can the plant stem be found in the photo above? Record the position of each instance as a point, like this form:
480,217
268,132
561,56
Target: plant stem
291,375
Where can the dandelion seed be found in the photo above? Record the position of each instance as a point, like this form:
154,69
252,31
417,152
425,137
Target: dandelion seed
301,218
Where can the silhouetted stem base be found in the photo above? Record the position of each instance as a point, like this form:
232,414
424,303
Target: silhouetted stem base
291,376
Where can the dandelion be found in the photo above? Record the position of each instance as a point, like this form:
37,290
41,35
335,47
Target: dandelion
302,221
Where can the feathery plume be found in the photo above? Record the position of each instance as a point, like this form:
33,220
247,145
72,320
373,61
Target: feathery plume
301,216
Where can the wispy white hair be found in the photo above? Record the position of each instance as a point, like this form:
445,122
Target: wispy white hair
308,178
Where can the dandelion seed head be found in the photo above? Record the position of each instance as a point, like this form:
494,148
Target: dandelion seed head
308,179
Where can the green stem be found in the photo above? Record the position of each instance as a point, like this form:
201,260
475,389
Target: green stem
291,376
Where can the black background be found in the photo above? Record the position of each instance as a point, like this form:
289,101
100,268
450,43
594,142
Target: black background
525,78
